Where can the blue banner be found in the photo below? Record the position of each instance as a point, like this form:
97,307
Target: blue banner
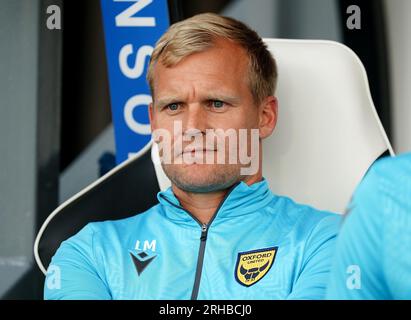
131,29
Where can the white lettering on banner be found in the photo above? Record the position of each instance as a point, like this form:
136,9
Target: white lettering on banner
138,69
127,19
131,104
131,27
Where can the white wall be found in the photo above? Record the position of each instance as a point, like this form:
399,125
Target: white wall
399,28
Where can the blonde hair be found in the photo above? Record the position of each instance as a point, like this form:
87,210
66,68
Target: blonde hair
199,32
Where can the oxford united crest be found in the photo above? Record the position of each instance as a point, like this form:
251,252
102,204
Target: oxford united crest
252,266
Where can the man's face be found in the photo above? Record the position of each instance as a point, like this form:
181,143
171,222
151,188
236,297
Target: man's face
206,90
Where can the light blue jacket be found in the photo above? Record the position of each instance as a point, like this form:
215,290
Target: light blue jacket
257,246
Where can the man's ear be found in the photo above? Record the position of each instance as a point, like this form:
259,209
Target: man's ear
268,116
151,116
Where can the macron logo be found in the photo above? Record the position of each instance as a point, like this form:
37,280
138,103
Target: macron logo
140,262
142,259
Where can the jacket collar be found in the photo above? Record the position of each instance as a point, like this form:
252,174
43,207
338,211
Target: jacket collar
242,199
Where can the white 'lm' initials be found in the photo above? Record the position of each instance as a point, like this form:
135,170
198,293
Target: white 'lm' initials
146,245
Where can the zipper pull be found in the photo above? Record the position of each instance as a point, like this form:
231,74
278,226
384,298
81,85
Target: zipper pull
204,232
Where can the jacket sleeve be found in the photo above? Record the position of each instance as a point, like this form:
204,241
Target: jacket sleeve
73,272
356,271
317,258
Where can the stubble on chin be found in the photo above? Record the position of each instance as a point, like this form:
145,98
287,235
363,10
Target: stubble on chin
202,179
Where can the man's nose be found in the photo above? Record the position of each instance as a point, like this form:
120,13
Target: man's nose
195,119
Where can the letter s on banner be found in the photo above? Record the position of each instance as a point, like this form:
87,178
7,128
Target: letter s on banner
131,29
138,69
132,103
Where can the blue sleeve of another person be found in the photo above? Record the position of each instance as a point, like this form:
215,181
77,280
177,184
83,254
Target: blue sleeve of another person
372,259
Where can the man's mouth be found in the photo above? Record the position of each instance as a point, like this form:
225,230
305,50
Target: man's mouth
197,150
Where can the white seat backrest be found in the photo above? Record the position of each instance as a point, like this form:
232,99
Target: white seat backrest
328,132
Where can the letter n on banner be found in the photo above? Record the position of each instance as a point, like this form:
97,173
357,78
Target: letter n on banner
131,28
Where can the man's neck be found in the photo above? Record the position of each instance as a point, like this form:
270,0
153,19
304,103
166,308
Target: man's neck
204,205
200,205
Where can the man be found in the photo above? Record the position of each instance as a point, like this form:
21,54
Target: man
373,259
218,232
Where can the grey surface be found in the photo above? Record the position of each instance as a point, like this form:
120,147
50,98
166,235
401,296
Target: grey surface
261,15
18,98
294,19
398,31
313,19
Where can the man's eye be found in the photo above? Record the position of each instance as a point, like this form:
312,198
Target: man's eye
217,104
173,106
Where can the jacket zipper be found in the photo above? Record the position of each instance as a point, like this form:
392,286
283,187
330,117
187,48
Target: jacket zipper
200,260
203,240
